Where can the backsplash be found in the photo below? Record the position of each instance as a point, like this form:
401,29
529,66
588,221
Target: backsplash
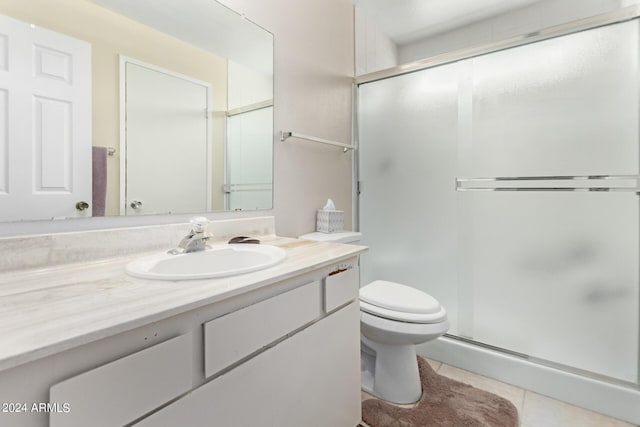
47,250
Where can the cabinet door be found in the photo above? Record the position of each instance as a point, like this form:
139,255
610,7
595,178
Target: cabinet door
311,379
341,286
121,391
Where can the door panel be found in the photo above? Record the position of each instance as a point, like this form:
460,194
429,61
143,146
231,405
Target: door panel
52,144
555,273
555,276
564,106
4,142
167,146
45,123
408,133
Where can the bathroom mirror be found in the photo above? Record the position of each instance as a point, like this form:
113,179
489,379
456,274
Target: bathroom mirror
132,108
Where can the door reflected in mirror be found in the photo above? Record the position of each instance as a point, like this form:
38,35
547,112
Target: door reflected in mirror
166,140
177,97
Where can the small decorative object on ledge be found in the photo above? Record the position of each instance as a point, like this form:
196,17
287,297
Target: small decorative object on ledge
329,220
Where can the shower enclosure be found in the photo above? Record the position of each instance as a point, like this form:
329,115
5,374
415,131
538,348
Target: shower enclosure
505,184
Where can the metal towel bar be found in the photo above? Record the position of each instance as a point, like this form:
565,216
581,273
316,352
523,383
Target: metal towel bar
345,147
256,186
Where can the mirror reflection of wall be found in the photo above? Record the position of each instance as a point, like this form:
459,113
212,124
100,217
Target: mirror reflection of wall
109,36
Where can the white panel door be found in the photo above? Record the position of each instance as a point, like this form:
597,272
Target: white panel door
45,123
167,144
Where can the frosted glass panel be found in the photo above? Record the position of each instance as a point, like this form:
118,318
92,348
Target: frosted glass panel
565,106
555,276
408,133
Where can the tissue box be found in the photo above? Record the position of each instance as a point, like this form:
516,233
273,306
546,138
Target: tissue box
329,221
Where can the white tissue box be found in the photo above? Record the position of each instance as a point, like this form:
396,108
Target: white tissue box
330,221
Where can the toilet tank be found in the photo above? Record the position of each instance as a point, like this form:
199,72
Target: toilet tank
352,237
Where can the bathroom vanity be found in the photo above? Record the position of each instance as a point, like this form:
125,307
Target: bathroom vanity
85,344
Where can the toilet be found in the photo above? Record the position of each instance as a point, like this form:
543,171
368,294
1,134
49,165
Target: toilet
394,318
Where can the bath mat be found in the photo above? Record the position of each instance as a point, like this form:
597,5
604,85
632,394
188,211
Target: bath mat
444,402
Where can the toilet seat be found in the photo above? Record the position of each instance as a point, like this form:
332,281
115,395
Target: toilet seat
403,317
399,302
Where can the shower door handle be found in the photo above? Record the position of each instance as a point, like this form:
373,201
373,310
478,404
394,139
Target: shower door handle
490,183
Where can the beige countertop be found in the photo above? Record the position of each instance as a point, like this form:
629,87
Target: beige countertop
48,310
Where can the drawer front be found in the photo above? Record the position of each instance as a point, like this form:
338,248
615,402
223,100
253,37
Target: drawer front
341,286
234,336
122,391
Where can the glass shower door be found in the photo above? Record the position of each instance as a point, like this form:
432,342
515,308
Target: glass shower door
522,257
555,272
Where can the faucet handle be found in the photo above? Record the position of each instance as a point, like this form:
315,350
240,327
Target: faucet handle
199,223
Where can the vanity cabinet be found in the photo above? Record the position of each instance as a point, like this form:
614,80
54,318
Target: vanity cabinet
308,373
283,354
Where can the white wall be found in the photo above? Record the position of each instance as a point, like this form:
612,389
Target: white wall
314,68
526,20
374,49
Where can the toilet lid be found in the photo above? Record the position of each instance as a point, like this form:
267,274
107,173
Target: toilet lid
400,302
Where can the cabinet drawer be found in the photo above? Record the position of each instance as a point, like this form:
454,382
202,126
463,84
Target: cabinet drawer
121,391
229,338
341,286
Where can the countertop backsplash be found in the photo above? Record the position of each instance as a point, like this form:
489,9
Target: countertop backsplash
48,250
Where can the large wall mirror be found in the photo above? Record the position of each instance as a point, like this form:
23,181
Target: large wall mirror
132,107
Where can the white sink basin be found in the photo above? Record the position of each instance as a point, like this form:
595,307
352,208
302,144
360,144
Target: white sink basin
219,261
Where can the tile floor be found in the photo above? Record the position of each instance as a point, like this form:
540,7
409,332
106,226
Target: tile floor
535,410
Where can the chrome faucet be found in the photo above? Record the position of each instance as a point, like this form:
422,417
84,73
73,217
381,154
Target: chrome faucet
196,240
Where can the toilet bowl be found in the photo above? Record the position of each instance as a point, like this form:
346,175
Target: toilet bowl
394,318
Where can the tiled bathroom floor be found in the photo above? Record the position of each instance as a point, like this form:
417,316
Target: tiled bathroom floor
535,410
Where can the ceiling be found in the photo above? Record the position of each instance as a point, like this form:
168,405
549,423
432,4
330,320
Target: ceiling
405,21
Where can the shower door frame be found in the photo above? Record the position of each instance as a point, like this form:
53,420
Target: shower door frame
615,17
539,375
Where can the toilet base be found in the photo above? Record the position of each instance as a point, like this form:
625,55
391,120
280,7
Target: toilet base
390,372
